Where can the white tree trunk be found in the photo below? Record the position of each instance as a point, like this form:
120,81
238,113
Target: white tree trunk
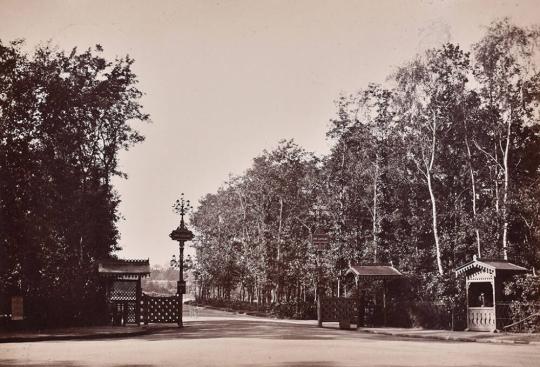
505,193
497,207
375,212
429,173
435,230
473,188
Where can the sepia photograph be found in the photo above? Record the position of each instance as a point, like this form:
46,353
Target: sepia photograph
270,183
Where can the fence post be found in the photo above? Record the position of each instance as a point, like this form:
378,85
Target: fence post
319,308
145,308
138,292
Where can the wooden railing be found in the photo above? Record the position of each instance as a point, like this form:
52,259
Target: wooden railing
482,319
522,321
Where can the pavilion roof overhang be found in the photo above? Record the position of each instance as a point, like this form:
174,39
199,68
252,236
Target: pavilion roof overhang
492,266
128,268
374,272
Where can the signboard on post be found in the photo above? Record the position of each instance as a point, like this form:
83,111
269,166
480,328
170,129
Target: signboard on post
320,239
17,311
181,286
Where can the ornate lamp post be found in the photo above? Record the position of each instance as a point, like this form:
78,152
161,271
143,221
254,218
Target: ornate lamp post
320,241
181,234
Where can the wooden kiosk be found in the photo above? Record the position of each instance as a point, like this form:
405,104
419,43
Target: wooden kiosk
123,288
487,305
371,273
350,309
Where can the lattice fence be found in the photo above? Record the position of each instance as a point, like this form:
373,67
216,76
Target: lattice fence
123,312
123,290
160,309
339,308
123,302
131,314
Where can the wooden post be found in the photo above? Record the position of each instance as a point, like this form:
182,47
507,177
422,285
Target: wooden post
138,302
124,312
493,289
319,291
467,300
384,302
361,306
319,308
494,304
145,303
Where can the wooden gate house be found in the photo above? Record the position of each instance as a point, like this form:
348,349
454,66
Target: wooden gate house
487,305
126,301
123,288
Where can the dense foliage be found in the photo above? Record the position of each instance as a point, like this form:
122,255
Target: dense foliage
439,164
63,120
525,308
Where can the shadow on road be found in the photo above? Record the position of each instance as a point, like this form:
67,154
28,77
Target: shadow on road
12,362
215,329
334,364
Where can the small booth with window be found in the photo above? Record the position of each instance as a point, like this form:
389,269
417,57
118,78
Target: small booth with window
370,311
488,308
357,305
123,288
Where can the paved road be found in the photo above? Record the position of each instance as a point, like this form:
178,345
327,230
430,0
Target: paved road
214,338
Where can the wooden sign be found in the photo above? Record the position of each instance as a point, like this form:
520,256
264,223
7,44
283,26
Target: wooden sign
181,287
17,311
320,239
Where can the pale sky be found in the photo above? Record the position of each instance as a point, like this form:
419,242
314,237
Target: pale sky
226,79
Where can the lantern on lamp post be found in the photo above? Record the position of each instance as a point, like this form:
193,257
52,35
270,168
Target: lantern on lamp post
181,234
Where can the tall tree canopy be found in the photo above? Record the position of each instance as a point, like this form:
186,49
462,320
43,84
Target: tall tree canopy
440,163
63,119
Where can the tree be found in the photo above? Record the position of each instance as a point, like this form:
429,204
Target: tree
406,179
63,119
360,159
428,92
258,224
506,70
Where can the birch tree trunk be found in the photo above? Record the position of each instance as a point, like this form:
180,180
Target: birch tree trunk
429,174
497,206
473,189
434,223
505,193
375,213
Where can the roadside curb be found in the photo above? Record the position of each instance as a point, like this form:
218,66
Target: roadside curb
448,337
89,336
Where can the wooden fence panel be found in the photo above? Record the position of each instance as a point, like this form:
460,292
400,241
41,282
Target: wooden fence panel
339,308
160,309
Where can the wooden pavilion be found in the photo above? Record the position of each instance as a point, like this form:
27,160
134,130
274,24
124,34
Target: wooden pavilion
123,288
487,305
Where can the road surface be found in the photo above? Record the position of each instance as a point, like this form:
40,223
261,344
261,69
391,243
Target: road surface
215,338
